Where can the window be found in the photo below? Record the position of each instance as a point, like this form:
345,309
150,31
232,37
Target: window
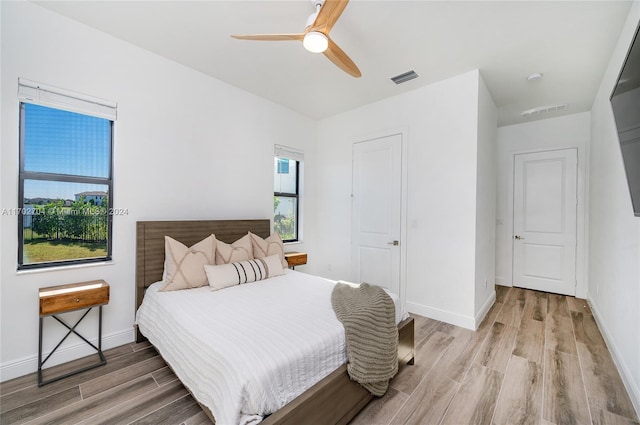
65,191
286,194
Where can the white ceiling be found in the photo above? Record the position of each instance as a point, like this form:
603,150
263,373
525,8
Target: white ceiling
570,42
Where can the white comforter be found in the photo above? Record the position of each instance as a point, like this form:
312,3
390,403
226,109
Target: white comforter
248,350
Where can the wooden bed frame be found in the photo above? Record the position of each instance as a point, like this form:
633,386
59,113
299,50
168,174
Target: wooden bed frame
335,399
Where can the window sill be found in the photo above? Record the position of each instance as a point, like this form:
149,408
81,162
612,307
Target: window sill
64,268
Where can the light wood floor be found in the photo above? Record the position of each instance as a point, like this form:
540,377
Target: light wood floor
537,359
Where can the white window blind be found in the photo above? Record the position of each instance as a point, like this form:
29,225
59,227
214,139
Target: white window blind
289,153
41,94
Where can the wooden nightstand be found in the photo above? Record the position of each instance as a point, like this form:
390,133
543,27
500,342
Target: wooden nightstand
64,298
295,258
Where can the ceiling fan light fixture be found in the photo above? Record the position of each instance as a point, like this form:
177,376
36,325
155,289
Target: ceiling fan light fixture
315,42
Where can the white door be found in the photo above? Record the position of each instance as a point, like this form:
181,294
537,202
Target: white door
544,221
377,206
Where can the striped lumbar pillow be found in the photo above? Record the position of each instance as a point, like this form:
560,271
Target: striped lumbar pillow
224,275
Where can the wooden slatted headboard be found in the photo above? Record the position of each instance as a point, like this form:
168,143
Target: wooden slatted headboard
150,242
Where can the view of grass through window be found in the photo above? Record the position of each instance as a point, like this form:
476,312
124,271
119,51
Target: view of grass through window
285,217
285,199
66,181
60,230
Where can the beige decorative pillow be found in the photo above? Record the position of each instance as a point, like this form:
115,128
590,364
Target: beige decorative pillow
265,247
223,276
184,267
240,250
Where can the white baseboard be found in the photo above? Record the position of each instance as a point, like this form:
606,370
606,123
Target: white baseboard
501,281
581,292
442,315
632,387
26,365
485,309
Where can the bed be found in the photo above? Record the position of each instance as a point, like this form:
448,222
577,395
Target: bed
332,399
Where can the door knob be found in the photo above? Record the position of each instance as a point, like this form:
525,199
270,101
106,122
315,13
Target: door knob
518,237
394,243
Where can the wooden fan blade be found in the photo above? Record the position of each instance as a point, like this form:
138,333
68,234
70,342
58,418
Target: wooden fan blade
340,58
328,15
269,37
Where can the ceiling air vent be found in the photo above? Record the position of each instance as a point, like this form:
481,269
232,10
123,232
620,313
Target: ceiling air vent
544,110
402,78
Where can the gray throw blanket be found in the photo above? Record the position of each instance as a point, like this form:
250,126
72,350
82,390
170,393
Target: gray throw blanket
368,315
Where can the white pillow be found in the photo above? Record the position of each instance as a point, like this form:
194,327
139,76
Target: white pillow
240,250
183,267
222,276
265,247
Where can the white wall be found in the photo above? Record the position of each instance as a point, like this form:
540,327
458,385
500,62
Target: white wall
485,204
614,233
569,131
439,123
186,147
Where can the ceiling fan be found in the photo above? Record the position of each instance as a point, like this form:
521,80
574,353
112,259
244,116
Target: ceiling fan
315,37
